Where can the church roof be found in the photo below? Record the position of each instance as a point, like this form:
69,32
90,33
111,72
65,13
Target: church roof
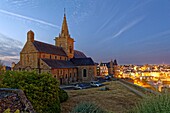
79,54
82,61
59,63
48,48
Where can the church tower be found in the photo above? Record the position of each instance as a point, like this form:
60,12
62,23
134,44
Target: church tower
64,40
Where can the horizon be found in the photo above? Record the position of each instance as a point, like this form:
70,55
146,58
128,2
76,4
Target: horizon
132,32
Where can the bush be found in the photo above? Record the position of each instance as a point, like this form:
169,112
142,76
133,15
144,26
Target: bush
63,96
87,107
153,104
9,111
1,67
40,89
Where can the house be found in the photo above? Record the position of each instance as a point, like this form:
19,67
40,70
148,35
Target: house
108,68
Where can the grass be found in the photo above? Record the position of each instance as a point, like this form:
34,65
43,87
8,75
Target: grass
87,107
153,104
117,100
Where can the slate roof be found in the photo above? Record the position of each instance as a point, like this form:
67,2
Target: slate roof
82,61
107,64
79,54
59,63
48,48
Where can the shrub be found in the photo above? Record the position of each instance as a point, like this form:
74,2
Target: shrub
7,111
1,66
153,104
63,96
87,107
40,89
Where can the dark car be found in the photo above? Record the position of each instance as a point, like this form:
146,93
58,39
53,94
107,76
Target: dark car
108,77
101,80
82,86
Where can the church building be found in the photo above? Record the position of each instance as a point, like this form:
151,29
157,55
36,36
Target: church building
61,60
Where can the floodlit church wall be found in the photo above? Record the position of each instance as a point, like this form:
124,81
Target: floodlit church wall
90,73
67,75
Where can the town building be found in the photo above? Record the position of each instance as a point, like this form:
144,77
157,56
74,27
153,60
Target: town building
61,60
109,68
5,68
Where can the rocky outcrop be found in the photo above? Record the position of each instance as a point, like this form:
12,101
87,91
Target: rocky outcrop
14,99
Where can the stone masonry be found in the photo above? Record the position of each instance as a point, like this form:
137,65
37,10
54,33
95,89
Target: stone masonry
14,99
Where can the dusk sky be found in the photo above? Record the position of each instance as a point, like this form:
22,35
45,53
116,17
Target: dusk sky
131,31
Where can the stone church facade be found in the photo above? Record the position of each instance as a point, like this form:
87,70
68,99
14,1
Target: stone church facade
61,60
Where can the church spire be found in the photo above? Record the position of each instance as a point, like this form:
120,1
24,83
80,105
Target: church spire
64,30
64,11
64,40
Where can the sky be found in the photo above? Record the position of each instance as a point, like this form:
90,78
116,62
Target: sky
131,31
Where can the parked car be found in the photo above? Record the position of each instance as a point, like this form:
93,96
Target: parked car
108,77
82,86
95,84
101,80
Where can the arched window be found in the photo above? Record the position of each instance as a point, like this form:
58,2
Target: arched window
84,73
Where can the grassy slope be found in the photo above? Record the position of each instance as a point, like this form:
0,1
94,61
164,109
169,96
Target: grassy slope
118,99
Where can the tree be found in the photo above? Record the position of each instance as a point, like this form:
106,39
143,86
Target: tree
1,66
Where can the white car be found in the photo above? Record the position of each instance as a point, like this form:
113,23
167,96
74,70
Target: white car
95,84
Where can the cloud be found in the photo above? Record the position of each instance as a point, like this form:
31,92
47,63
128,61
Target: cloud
9,58
80,10
109,20
123,29
29,18
140,4
127,27
161,35
10,49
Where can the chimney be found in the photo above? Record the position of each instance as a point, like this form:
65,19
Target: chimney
30,36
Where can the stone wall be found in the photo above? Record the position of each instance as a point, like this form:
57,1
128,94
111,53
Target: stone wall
91,73
14,99
66,75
